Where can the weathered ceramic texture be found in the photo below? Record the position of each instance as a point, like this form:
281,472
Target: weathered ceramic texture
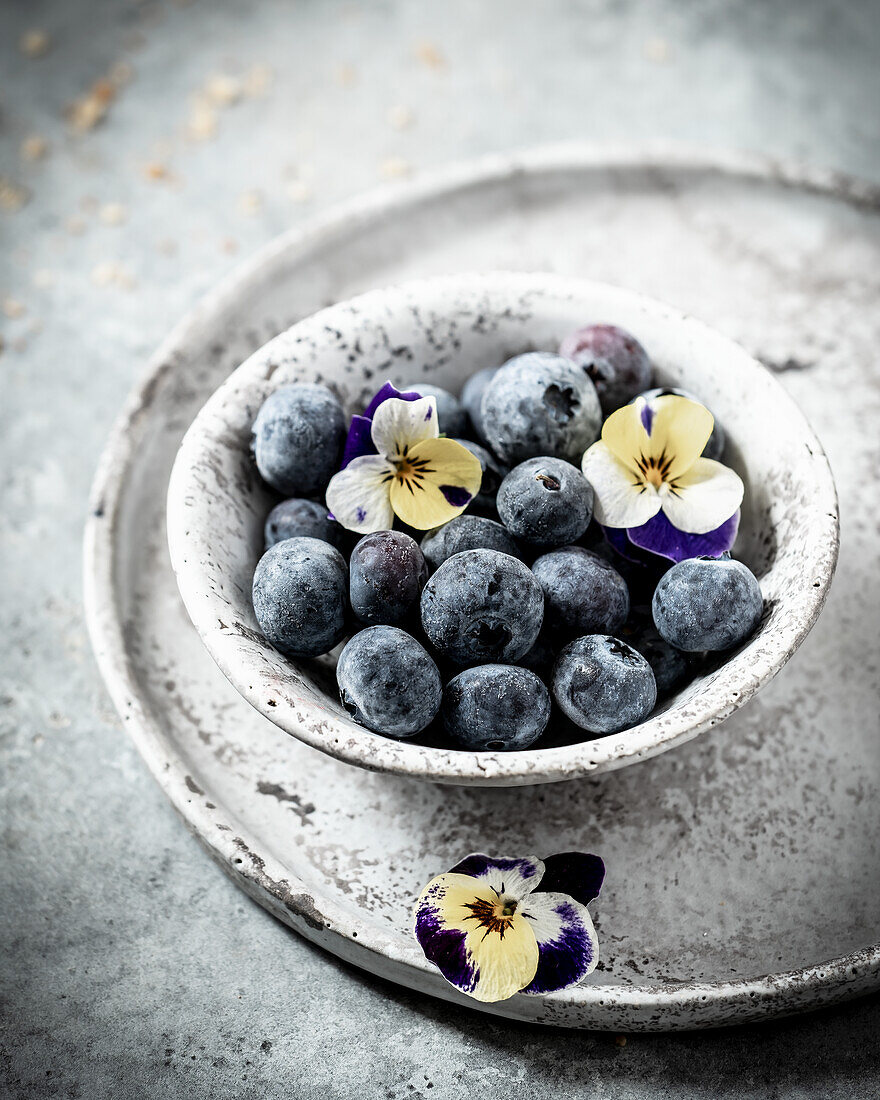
444,329
743,872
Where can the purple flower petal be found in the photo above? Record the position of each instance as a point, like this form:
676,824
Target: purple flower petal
647,417
445,947
658,536
386,392
359,440
517,876
567,947
574,873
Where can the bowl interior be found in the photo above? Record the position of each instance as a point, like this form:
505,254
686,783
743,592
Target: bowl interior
443,330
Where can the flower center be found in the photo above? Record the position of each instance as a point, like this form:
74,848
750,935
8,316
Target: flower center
408,470
654,471
495,915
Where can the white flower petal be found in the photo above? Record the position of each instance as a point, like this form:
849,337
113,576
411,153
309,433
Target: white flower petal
359,497
401,424
620,500
704,497
567,947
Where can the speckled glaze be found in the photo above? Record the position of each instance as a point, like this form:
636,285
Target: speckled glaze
449,328
742,868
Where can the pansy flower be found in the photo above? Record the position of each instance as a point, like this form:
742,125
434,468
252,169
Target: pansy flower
499,926
653,488
410,473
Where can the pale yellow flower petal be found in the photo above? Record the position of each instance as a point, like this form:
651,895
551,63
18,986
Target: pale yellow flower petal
704,497
497,959
443,479
621,500
666,435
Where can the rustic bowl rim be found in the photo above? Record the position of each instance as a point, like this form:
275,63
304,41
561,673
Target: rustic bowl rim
337,735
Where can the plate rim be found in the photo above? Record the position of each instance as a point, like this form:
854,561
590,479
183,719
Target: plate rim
800,989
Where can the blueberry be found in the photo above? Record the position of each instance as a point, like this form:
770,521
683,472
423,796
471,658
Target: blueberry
545,502
495,707
671,667
297,439
717,440
451,415
299,595
540,404
613,358
466,533
707,604
297,518
472,396
493,475
481,606
583,594
387,682
387,573
602,684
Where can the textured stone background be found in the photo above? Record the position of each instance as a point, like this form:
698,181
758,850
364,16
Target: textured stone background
145,150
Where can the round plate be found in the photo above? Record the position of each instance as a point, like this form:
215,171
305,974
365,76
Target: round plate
742,871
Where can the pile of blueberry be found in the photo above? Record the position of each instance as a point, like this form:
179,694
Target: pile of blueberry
519,607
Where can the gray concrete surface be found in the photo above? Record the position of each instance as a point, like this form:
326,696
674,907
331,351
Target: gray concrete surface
131,966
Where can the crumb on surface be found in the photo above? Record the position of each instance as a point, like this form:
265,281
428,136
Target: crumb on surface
430,55
35,42
345,75
400,117
14,308
258,79
113,213
156,170
13,196
34,147
110,273
620,1040
395,168
250,202
299,191
91,108
657,50
223,90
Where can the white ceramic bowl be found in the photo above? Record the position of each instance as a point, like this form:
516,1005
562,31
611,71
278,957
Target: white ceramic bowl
443,330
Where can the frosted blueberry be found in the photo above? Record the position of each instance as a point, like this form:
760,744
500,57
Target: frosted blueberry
583,594
387,573
472,396
387,682
299,595
707,604
602,684
613,358
297,439
467,533
545,502
495,707
482,606
296,518
540,404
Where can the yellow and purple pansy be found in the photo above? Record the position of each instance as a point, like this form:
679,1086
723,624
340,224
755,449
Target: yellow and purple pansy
396,464
653,489
495,926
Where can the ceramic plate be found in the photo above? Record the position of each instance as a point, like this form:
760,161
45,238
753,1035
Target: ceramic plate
743,868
